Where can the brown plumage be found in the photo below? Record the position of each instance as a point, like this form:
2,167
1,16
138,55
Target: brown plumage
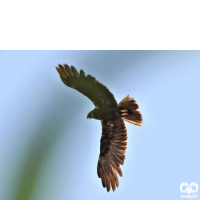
113,141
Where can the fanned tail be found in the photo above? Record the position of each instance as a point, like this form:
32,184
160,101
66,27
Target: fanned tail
129,111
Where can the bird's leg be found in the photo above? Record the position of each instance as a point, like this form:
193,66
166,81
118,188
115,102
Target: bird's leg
124,112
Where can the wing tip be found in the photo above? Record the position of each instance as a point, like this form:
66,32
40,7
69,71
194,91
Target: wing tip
82,74
109,177
65,71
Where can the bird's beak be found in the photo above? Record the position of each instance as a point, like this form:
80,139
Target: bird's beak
89,116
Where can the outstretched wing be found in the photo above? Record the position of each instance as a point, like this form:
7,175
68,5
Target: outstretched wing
87,85
112,149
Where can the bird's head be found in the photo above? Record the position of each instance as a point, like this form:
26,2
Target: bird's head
90,115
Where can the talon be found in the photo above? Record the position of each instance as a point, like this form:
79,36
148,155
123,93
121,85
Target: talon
124,111
124,114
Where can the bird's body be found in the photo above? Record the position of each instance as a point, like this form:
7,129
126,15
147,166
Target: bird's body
104,114
113,141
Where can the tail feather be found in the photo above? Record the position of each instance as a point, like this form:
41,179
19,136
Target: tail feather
129,111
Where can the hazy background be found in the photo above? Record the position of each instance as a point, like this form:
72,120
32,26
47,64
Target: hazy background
48,148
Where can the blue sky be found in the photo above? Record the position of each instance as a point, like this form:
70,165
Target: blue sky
46,135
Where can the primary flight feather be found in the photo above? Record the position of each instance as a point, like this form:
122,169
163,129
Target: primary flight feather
113,141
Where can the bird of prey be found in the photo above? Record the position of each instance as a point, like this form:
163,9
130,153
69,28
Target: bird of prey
113,141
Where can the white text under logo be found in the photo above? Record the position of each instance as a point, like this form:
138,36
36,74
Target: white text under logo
189,189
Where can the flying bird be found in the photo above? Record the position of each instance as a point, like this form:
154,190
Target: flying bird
113,141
